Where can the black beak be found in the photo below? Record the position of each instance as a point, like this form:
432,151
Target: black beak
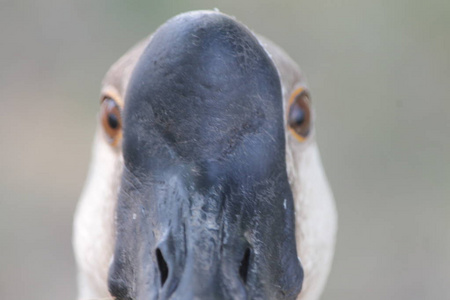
205,209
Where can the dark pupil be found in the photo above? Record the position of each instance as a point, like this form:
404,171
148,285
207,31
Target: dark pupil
113,121
296,115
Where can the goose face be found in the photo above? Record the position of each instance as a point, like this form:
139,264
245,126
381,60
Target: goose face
204,163
205,209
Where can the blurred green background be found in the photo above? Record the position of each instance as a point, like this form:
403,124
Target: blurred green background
379,73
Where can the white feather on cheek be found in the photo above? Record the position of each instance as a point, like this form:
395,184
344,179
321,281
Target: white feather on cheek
93,237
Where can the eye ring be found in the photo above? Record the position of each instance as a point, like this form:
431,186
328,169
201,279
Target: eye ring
299,116
111,119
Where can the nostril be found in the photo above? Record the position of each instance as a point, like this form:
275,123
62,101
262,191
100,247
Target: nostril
162,265
243,269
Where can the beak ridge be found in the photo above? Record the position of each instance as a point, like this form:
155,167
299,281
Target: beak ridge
205,170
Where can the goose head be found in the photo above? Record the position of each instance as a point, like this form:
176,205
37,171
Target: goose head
206,180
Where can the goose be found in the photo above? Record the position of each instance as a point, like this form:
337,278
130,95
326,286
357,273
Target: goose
206,180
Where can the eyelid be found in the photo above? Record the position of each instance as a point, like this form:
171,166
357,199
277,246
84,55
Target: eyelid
112,93
298,92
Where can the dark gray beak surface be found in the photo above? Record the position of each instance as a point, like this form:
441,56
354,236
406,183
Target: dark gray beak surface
205,209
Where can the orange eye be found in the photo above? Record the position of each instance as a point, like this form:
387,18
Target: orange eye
111,120
299,114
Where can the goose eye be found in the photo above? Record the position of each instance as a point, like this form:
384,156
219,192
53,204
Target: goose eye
299,115
111,120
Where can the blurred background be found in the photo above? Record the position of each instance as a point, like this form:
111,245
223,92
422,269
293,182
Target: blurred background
379,73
